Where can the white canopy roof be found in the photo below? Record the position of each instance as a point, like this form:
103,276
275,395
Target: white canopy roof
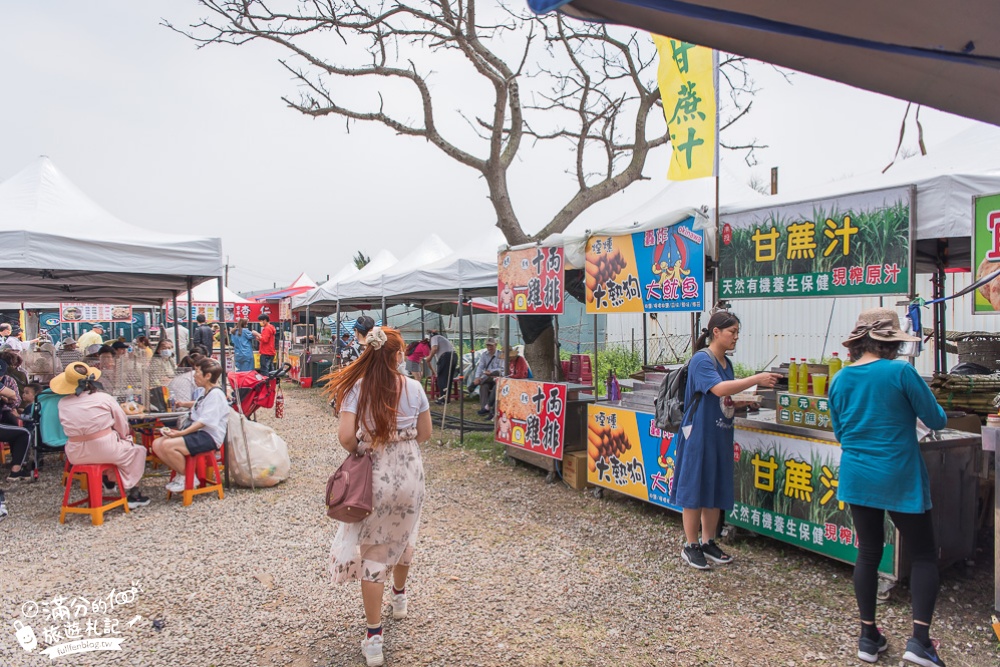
328,293
208,292
946,179
472,268
345,273
59,245
371,287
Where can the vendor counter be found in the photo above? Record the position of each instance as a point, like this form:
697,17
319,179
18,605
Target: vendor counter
786,480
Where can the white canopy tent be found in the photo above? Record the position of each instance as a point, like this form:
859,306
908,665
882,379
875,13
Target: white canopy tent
59,245
209,293
325,297
473,269
347,272
371,287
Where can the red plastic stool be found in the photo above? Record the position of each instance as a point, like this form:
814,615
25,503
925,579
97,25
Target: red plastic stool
200,465
94,501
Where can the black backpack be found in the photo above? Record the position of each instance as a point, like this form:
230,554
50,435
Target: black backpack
669,412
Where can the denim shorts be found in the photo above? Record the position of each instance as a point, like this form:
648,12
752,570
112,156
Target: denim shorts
199,442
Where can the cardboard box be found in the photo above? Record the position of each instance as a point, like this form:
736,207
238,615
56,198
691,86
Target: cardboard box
574,469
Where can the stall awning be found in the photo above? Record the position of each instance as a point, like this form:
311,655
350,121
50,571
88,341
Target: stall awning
941,54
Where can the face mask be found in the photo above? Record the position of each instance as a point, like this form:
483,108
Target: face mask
165,353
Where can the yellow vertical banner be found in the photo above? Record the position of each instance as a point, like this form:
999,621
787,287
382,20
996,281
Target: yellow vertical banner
686,77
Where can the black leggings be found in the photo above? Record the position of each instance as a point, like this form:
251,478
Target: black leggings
917,534
18,438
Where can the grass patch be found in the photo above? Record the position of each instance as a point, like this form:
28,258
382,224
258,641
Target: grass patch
481,444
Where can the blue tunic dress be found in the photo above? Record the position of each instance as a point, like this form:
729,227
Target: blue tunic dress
874,409
243,350
703,472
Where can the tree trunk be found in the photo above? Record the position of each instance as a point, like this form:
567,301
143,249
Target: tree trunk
540,356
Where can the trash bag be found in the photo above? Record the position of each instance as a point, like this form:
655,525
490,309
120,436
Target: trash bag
970,368
257,455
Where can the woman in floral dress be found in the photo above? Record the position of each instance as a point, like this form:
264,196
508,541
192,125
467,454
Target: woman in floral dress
386,413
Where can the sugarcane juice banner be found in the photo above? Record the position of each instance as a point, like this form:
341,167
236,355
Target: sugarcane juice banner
852,245
530,282
531,415
986,252
786,489
655,270
627,453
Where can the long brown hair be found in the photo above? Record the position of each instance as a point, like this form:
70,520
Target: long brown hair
378,398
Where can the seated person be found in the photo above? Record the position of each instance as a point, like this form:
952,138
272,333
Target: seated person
489,367
97,428
119,348
69,352
207,431
517,367
11,431
20,467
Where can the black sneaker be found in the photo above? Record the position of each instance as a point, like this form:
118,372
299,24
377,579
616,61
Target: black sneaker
136,499
22,475
715,554
693,556
109,487
869,649
926,656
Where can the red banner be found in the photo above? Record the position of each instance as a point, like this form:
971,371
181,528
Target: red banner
233,311
530,282
531,415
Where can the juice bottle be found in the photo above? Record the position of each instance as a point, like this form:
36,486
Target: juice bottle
835,365
803,377
793,377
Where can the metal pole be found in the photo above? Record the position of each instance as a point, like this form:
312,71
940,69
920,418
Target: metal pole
472,339
177,333
190,320
336,340
461,390
506,345
594,369
645,342
557,370
385,315
222,358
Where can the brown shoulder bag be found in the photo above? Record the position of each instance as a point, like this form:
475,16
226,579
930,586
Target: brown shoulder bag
349,489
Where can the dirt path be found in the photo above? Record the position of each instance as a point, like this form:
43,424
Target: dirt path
510,571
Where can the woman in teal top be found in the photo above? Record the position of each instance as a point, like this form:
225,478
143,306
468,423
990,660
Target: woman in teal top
874,406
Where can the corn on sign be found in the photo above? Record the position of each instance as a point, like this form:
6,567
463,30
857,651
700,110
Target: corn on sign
986,253
853,245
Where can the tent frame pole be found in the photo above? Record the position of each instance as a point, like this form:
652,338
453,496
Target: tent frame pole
461,358
177,333
222,362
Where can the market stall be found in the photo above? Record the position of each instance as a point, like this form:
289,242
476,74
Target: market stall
787,460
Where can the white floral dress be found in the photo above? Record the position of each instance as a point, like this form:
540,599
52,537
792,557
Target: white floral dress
368,550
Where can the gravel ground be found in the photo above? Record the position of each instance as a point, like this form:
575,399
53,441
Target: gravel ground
509,571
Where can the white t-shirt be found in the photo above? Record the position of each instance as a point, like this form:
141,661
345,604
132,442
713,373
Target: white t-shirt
412,402
443,344
212,410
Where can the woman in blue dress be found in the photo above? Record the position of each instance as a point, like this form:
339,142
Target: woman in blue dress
703,473
242,339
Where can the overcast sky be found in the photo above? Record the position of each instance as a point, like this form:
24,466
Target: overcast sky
170,137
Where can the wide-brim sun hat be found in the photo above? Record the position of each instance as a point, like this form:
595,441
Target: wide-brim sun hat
67,381
879,324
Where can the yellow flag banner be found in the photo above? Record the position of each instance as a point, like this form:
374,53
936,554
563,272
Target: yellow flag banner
687,85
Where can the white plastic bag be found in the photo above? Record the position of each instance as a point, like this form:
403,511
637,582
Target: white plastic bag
257,455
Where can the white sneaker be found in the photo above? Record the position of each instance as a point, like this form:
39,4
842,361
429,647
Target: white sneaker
398,605
372,650
177,485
